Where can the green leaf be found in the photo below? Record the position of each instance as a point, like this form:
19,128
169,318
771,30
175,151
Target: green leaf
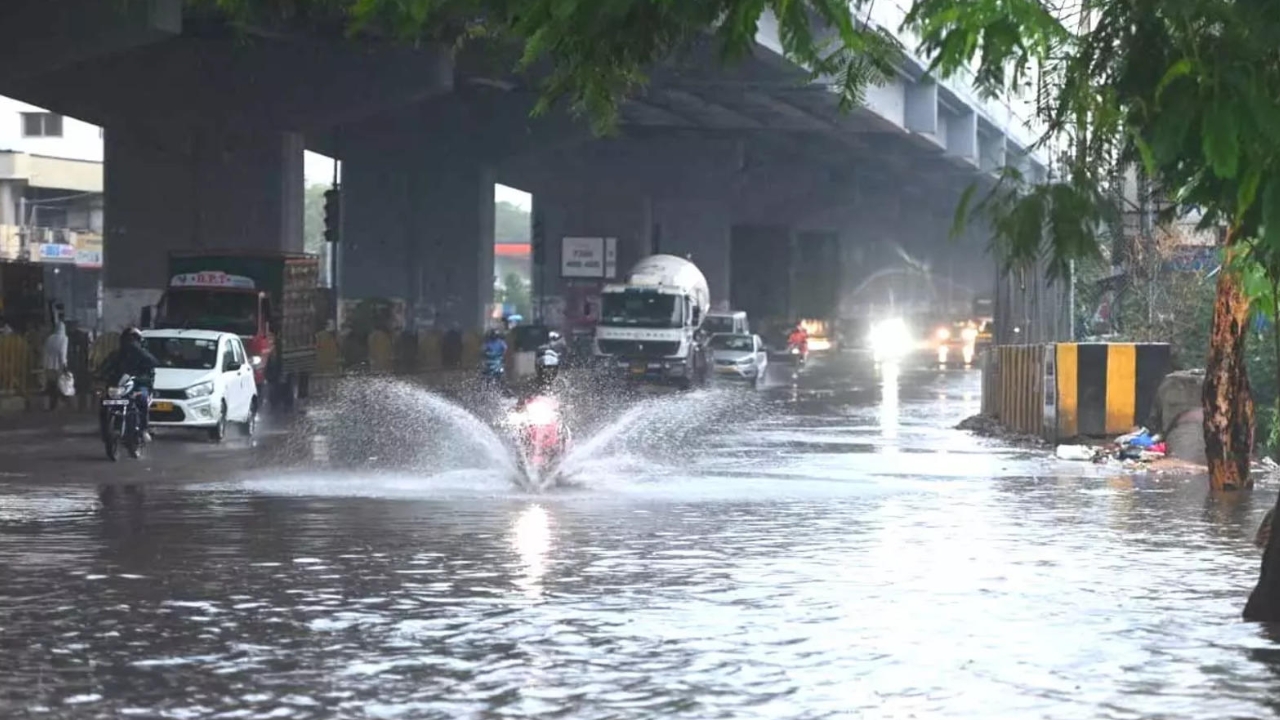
1148,157
1247,191
1271,214
1220,140
1182,68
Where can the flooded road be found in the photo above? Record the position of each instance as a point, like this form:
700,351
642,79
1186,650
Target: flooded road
828,549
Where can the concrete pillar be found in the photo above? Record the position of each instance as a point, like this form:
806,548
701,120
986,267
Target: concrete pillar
375,231
420,232
572,210
451,241
698,229
189,188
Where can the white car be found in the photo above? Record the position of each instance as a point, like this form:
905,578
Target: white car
204,381
738,356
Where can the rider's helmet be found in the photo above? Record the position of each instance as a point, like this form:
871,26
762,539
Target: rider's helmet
553,336
131,335
494,334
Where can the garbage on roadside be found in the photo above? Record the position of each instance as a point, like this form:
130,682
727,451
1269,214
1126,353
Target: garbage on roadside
1134,449
1085,453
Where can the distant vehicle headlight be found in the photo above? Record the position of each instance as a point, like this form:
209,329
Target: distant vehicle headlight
890,338
969,334
944,334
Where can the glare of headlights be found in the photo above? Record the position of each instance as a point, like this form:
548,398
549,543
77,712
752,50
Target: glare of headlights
969,334
944,334
540,412
889,338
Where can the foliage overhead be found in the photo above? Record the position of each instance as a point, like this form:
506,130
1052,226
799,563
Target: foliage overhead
1187,89
595,52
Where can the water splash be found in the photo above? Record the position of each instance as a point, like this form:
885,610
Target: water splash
396,425
653,436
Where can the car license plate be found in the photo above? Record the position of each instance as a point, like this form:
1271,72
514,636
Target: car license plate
162,406
115,403
727,369
637,368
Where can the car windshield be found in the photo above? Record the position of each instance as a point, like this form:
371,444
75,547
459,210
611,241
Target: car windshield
183,353
642,309
719,324
732,342
231,312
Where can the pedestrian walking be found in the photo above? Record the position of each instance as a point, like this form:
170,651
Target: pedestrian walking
55,363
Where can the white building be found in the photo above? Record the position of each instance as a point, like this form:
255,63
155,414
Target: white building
51,212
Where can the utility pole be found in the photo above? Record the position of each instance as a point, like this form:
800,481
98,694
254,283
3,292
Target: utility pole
332,236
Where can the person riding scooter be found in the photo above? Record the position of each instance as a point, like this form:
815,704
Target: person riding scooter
493,353
798,342
540,429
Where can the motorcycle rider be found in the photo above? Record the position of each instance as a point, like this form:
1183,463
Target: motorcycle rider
556,344
799,338
136,361
494,355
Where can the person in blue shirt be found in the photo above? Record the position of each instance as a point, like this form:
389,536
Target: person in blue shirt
493,355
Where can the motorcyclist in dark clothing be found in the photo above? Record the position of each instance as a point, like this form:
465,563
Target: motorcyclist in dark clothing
134,360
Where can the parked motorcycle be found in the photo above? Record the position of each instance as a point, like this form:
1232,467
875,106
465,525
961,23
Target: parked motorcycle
121,419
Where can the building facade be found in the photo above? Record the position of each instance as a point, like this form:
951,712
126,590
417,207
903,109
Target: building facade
51,216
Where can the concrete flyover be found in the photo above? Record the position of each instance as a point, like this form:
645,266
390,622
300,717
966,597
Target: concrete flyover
205,129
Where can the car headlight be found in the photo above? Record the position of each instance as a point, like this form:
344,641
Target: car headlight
944,334
255,361
204,389
745,361
969,334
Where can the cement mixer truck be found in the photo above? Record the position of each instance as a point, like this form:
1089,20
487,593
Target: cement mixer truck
649,328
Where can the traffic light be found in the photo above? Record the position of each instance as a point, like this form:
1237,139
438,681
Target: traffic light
332,215
538,239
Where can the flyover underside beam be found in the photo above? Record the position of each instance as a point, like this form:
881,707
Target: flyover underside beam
42,35
283,84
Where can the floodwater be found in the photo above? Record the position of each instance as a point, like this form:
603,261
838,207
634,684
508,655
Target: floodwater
829,549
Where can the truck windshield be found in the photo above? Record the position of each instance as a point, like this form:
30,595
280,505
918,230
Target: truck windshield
642,309
231,312
183,353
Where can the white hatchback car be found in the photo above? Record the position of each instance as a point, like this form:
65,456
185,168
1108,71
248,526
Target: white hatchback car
203,382
739,356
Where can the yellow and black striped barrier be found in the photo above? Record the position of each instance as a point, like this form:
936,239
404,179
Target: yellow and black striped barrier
1106,389
1066,390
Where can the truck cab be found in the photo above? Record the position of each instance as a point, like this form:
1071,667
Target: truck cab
224,303
267,298
650,326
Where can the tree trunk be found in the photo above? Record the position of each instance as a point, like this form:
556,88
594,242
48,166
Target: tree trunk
1264,601
1228,404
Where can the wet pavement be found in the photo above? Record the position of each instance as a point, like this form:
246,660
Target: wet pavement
828,547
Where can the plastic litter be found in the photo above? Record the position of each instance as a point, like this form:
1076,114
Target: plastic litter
1074,452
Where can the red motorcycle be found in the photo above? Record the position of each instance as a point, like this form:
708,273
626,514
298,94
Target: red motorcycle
540,433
